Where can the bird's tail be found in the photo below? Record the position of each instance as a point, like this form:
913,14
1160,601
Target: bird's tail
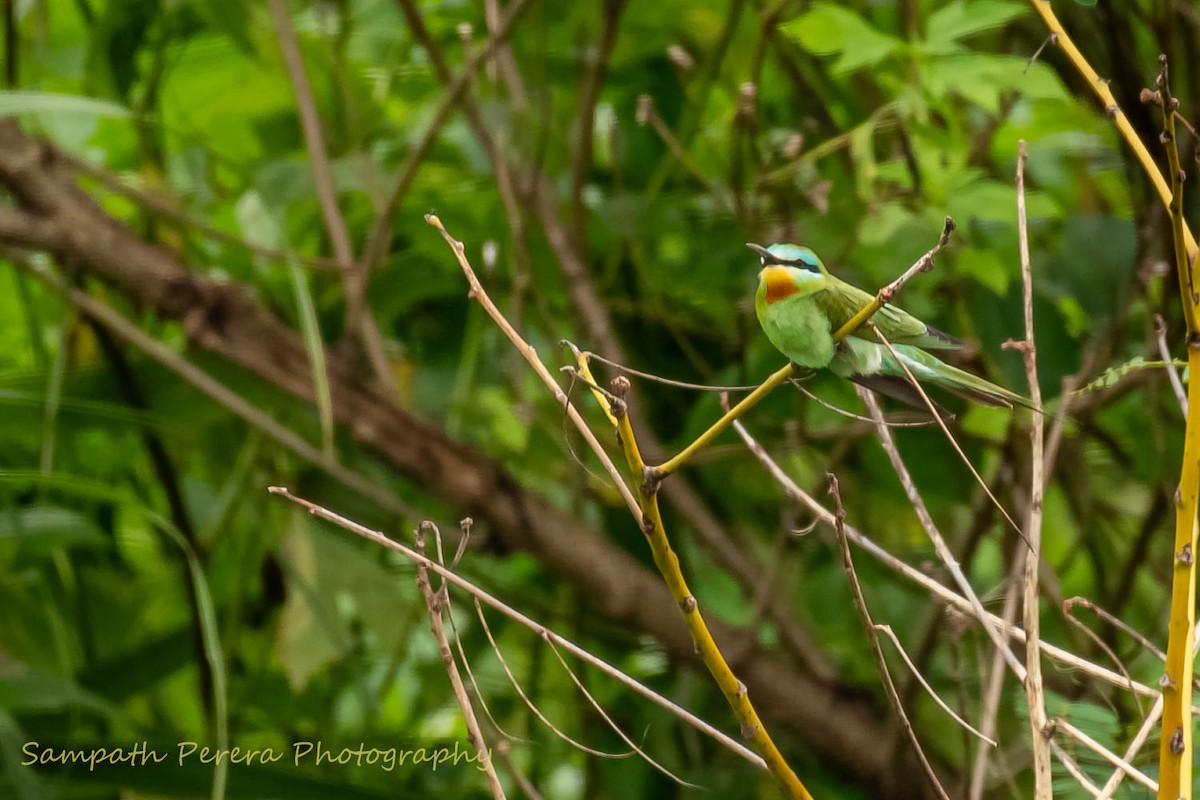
930,369
873,365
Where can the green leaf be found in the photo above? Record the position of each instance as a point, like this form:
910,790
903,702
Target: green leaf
830,29
961,19
230,17
12,103
39,531
24,688
984,266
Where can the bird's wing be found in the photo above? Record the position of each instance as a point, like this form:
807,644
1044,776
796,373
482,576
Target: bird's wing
841,301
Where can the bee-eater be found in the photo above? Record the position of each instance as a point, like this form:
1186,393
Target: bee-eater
800,305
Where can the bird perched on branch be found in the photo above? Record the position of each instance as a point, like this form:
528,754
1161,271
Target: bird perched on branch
800,306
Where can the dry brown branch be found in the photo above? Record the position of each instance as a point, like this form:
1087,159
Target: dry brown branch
995,680
869,627
1034,691
435,604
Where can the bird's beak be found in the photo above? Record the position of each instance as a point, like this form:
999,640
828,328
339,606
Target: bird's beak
758,248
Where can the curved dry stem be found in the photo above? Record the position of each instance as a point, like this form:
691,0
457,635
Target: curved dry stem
532,705
871,629
612,724
434,604
887,631
1119,624
941,423
1073,769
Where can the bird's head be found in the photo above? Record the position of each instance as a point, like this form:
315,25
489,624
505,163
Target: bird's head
788,269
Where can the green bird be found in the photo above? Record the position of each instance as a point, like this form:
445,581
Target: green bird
800,305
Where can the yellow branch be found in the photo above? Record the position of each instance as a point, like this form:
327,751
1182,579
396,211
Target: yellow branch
1175,749
1100,87
777,378
667,562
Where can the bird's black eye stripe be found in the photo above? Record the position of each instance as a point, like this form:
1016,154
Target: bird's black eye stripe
800,263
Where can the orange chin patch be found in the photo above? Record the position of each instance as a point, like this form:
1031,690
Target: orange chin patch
779,284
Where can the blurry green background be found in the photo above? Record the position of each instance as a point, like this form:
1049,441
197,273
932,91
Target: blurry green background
854,128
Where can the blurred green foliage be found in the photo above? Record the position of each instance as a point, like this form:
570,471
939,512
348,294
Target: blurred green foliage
865,124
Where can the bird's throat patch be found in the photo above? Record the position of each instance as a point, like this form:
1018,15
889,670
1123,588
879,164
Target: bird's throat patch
779,284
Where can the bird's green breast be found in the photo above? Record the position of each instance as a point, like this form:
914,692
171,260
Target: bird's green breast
798,328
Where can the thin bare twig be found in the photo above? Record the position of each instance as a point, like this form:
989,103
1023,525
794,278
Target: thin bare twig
449,608
1034,690
526,350
941,423
995,680
1073,769
889,292
612,724
532,706
869,626
1119,624
1108,755
1164,352
434,602
521,619
1108,651
887,631
698,387
506,759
